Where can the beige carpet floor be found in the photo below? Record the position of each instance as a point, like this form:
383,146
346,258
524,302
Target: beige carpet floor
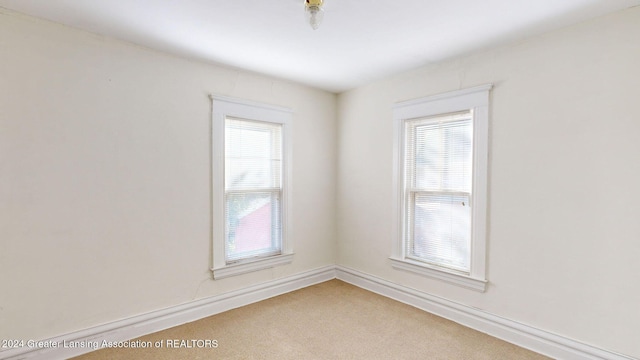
331,320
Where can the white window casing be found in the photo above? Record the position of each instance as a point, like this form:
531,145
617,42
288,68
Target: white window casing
457,122
250,186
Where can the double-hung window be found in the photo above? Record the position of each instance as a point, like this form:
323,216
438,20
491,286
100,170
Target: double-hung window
440,195
250,186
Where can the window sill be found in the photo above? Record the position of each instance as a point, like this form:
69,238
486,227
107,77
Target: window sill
440,274
251,266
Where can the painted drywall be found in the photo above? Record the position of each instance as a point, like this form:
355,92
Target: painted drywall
105,177
564,235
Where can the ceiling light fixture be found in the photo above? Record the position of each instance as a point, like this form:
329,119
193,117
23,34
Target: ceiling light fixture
314,12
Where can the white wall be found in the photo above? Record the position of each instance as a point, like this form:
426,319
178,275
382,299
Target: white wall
104,177
564,228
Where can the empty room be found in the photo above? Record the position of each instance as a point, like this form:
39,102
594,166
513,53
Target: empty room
309,179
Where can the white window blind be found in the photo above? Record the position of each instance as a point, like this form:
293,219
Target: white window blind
253,189
439,176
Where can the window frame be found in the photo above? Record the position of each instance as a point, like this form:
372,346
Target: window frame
226,107
477,100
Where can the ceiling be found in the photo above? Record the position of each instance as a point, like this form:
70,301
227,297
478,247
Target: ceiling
358,41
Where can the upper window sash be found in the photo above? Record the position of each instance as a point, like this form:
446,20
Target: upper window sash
417,132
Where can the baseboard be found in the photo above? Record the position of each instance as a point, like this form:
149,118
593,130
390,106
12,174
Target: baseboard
528,337
542,342
141,325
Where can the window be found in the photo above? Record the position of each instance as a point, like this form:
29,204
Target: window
440,196
250,186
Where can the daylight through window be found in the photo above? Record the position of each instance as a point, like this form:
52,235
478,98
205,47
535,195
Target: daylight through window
251,178
253,188
440,195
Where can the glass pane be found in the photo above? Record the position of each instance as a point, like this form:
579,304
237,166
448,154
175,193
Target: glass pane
253,154
442,230
252,224
441,154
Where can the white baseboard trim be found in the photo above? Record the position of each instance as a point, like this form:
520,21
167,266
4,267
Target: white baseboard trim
528,337
552,345
144,324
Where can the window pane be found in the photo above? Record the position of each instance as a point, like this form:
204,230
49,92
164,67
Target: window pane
443,156
439,166
253,168
253,154
253,224
442,230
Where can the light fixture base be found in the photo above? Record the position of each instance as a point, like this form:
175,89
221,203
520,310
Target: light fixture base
314,12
